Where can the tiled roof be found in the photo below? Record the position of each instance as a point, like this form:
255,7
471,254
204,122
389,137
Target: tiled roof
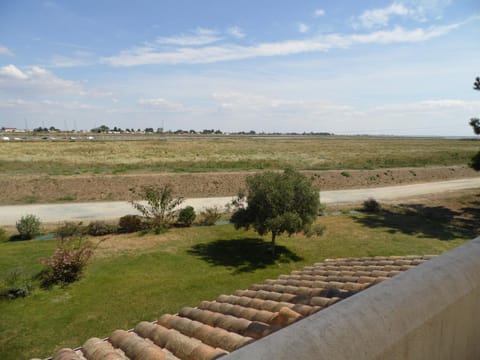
215,328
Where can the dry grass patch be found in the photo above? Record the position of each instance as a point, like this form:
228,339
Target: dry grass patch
213,154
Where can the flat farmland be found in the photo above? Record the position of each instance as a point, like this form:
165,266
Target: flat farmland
229,154
64,171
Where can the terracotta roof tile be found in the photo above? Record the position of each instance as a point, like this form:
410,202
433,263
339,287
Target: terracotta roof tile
215,328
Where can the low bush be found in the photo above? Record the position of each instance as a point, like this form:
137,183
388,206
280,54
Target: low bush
67,263
186,216
28,226
315,230
70,229
372,206
210,216
100,228
130,224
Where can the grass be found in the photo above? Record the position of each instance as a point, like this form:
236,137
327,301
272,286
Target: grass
229,154
138,277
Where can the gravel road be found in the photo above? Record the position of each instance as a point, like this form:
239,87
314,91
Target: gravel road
51,213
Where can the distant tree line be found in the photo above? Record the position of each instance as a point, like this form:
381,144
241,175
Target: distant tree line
150,130
115,129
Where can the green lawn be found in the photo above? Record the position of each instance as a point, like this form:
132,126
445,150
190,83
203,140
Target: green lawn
134,278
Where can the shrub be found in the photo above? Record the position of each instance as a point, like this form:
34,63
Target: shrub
345,173
372,206
210,216
186,216
100,228
70,229
130,224
67,263
28,226
317,230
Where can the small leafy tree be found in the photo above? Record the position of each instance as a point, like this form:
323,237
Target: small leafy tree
160,207
277,203
28,226
475,124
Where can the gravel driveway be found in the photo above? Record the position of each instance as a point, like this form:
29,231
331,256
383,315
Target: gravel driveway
50,213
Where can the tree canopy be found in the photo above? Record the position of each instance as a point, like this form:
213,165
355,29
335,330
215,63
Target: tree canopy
277,203
475,124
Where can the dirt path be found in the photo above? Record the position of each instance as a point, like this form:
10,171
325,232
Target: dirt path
31,189
49,213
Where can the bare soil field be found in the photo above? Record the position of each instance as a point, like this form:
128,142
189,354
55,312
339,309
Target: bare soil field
21,189
62,171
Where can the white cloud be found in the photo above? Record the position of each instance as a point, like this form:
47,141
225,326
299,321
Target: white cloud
433,105
381,17
229,52
236,32
243,111
43,105
5,51
162,104
303,28
420,10
428,9
198,37
39,81
319,12
11,76
248,102
12,72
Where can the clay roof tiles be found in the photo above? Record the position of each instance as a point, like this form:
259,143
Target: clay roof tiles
215,328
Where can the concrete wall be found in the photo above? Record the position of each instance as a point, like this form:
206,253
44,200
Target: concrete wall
429,312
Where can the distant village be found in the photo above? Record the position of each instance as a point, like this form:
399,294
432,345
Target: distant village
103,129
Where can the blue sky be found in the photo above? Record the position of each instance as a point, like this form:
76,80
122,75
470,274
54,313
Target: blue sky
348,67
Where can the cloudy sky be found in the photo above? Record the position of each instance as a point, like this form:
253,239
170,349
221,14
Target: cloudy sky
347,66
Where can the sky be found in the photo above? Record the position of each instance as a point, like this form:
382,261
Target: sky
345,67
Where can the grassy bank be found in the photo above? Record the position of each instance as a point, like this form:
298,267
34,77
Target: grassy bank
229,154
134,278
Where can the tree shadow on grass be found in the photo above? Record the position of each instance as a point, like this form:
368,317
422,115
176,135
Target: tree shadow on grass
436,222
243,255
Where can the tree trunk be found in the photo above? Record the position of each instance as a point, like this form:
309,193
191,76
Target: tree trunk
273,243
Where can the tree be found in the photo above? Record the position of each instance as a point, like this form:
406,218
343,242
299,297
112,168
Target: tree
161,206
100,129
277,203
475,124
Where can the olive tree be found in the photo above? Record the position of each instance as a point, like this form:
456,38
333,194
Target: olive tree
277,203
